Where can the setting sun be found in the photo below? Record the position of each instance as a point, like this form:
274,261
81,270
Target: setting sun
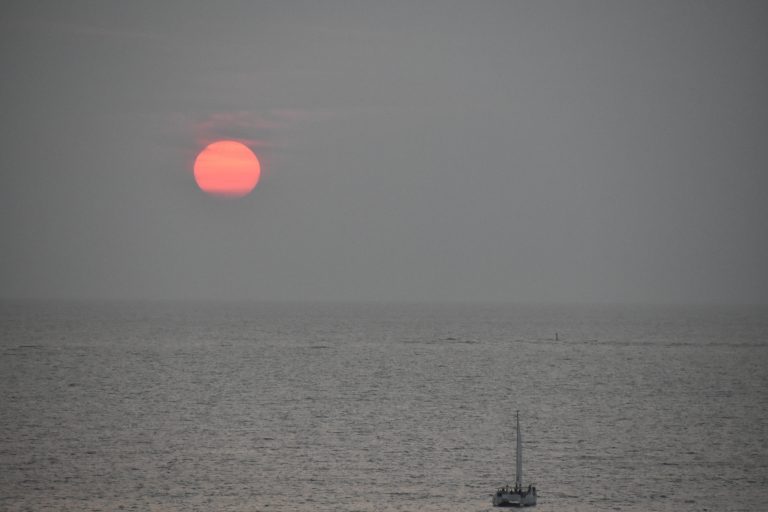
227,168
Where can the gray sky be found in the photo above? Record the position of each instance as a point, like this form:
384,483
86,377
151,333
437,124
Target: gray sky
453,151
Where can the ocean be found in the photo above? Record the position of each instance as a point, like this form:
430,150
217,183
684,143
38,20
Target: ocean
161,406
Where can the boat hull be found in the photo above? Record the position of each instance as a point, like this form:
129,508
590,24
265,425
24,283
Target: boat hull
514,499
506,500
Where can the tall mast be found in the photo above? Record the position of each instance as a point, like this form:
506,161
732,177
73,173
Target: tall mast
519,453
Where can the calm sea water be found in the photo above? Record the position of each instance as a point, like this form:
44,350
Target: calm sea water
186,407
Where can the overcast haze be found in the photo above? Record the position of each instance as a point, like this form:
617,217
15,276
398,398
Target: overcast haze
448,151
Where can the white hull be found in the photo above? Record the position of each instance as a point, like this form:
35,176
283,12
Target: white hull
504,498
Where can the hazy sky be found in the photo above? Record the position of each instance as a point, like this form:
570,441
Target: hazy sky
453,151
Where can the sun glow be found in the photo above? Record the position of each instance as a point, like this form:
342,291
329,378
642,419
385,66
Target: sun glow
227,168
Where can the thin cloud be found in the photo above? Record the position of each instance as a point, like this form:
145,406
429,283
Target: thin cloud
258,129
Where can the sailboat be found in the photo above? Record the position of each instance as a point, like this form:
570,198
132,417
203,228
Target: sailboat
516,496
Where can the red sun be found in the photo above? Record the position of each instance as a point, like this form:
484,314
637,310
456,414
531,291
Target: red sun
227,168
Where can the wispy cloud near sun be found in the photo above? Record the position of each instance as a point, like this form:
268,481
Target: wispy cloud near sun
266,129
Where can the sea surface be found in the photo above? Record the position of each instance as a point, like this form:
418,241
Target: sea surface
161,406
